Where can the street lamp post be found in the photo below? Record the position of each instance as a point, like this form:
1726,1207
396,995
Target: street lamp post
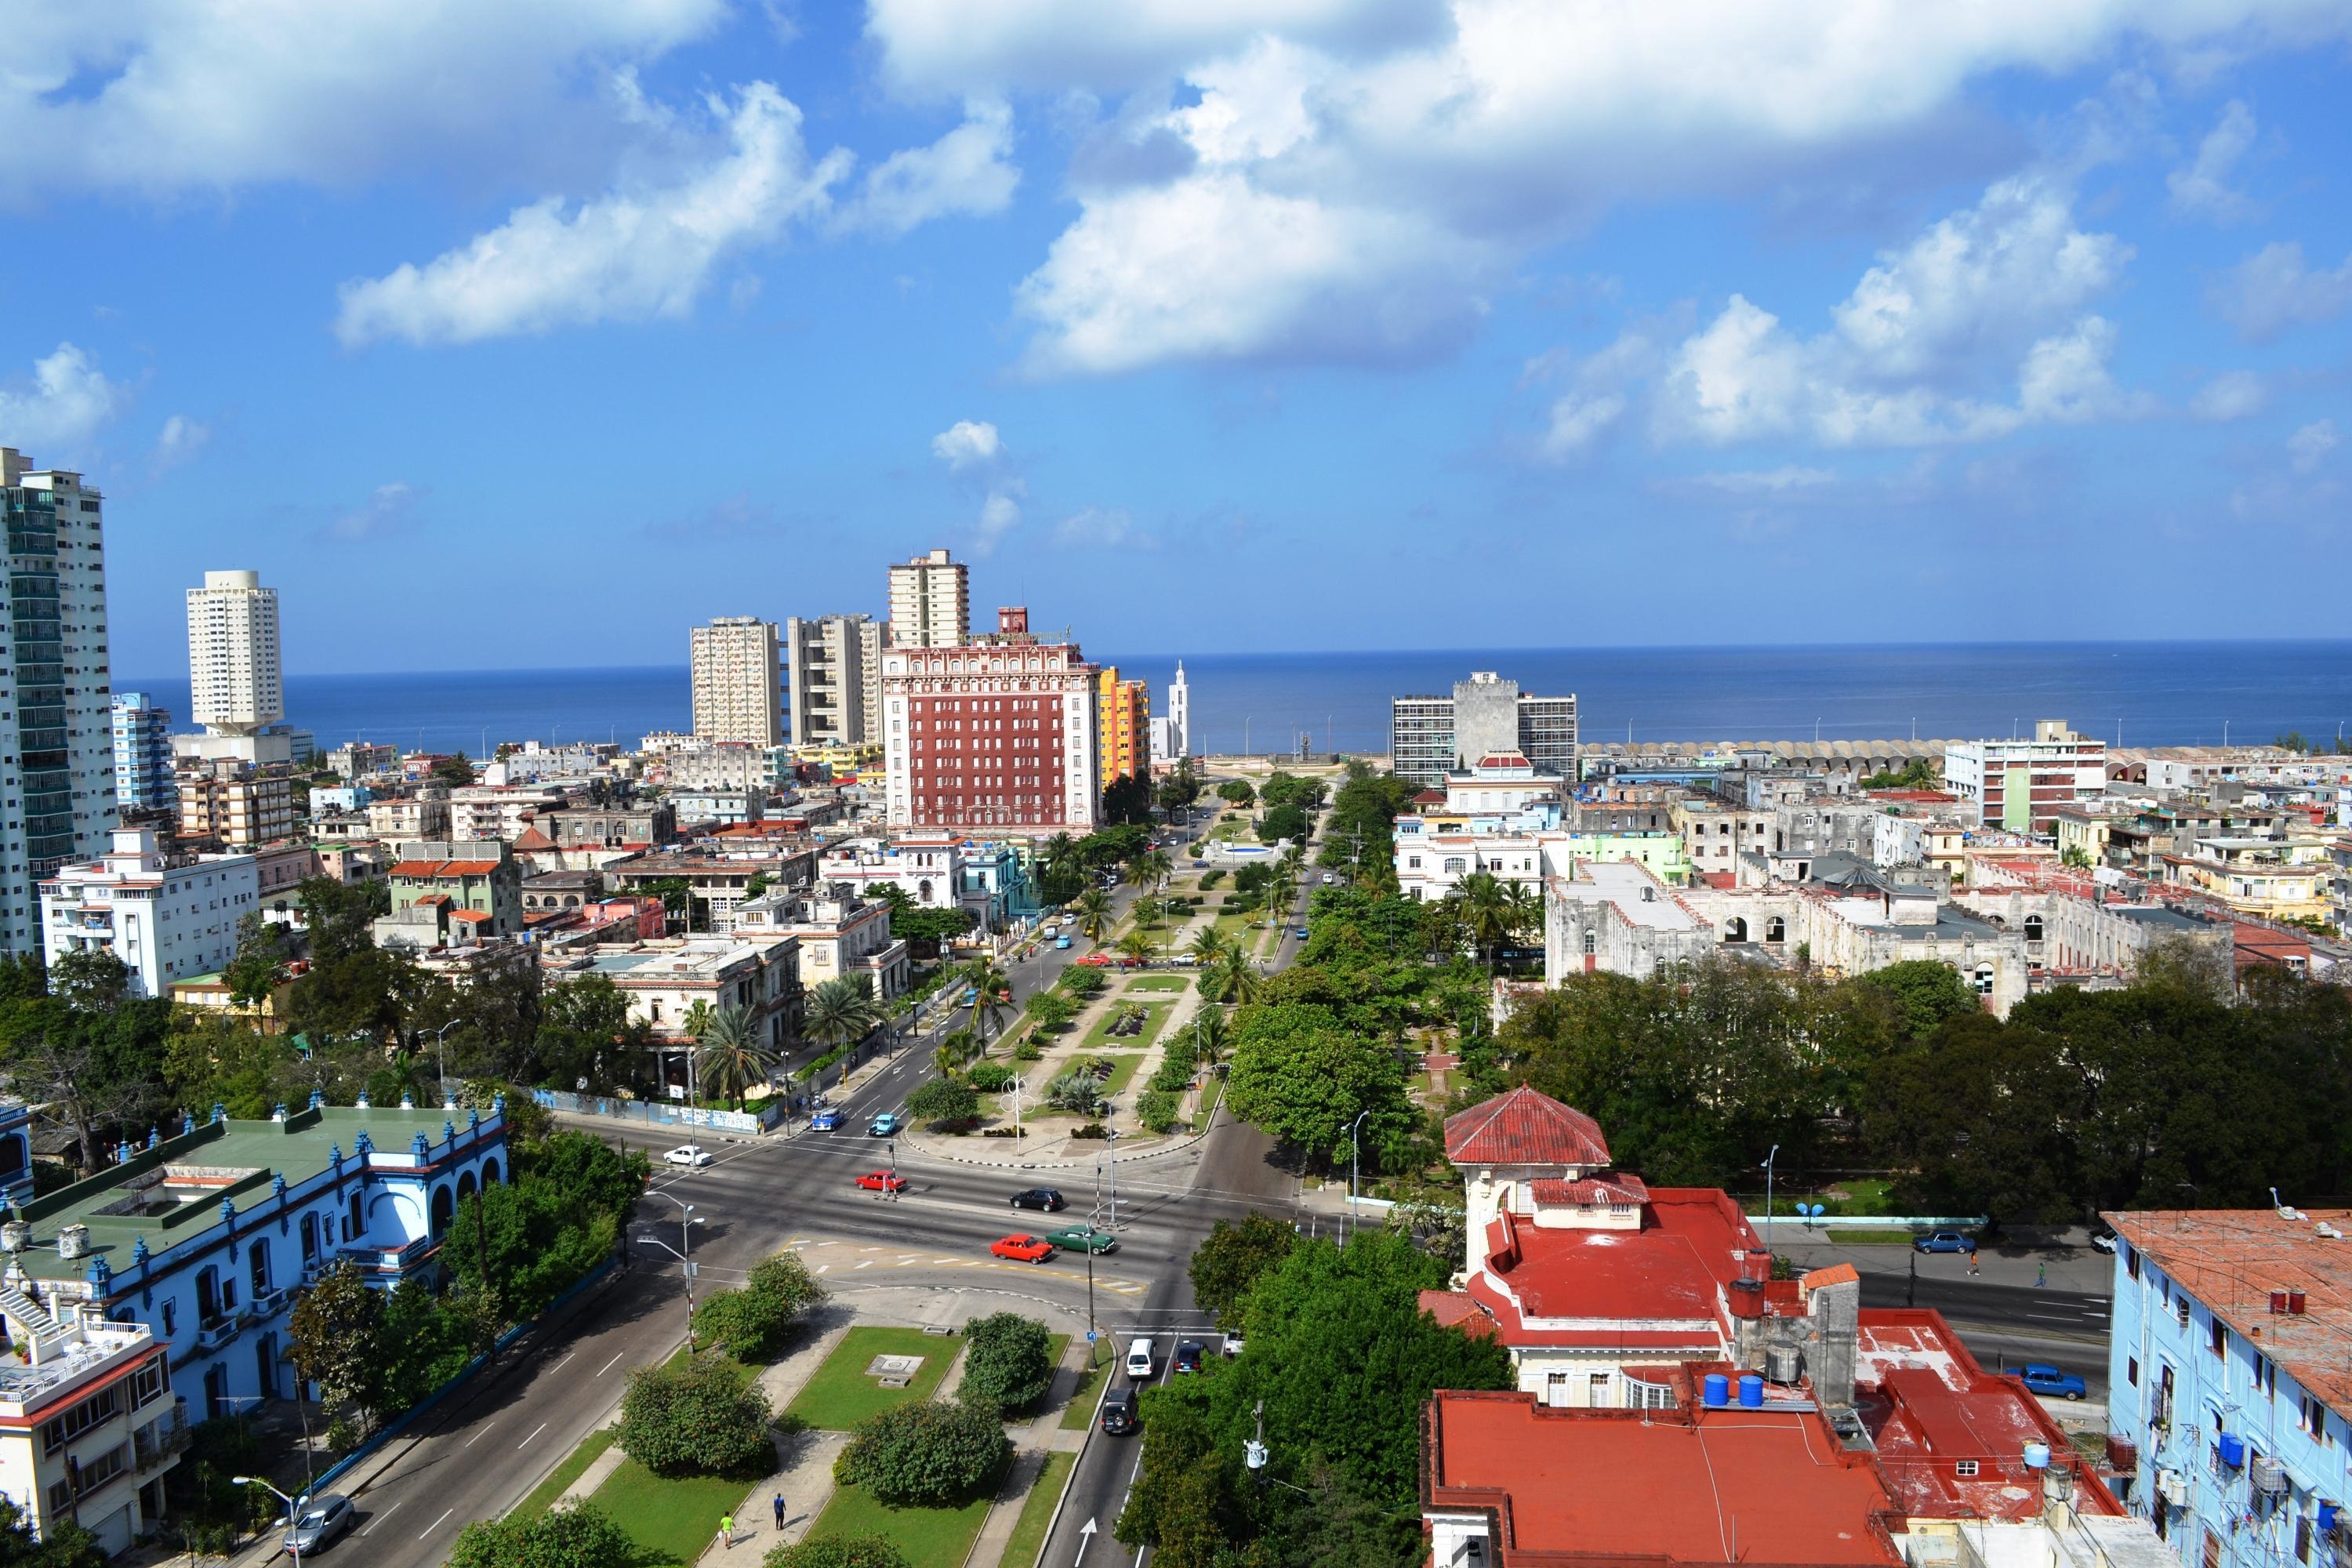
293,1510
1355,1146
687,1220
1768,1195
441,1056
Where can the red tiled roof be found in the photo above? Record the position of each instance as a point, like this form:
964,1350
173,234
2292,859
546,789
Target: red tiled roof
1657,1487
1504,760
1543,1283
532,838
1609,1189
424,869
1524,1126
1457,1309
1835,1273
471,915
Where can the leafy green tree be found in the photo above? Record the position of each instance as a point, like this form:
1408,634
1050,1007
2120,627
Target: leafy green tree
569,1535
1237,791
1920,772
1051,1010
457,770
425,1344
585,1036
929,1454
943,1103
837,1552
337,1339
696,1418
1280,822
927,928
1299,1076
751,1322
1923,993
263,960
1232,1259
1082,982
64,1543
1126,799
1008,1362
1158,1110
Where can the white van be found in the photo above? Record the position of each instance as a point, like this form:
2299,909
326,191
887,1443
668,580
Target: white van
1139,1359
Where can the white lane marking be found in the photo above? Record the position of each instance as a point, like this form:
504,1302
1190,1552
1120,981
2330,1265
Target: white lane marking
608,1365
387,1513
436,1524
478,1437
826,1268
867,1264
559,1366
534,1432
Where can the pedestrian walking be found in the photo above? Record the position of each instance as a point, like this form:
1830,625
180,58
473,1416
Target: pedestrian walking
727,1532
780,1511
1972,1258
2041,1274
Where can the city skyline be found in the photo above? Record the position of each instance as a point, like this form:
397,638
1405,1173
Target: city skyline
1823,305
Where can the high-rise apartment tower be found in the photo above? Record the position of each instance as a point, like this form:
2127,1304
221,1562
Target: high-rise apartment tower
1431,736
832,680
737,693
56,733
930,602
235,686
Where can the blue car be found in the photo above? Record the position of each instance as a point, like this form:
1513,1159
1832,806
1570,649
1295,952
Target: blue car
883,1126
824,1121
2049,1380
1946,1241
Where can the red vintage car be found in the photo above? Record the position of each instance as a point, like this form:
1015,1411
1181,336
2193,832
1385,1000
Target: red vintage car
882,1182
1022,1248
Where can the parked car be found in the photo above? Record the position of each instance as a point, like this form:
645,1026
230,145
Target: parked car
2042,1378
2103,1240
882,1182
1022,1248
1946,1241
824,1119
1140,1362
687,1154
1119,1412
1329,878
1184,961
883,1126
1187,1355
323,1518
1083,1238
1096,960
1045,1200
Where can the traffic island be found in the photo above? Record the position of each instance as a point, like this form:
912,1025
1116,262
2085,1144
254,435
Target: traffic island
868,1372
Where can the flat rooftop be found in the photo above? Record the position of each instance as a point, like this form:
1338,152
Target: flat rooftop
1689,1486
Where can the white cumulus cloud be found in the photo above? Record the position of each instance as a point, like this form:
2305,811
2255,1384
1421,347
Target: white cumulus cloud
2274,289
975,454
64,402
967,444
2201,188
389,510
638,252
967,172
179,439
2233,394
2308,448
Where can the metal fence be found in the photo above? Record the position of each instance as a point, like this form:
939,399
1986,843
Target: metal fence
662,1113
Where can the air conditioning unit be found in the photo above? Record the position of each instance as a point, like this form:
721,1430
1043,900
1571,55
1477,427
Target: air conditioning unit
2268,1475
2173,1488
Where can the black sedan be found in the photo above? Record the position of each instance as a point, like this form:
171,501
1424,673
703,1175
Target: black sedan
1044,1198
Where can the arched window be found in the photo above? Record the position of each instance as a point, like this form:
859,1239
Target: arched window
1589,945
442,1210
2033,928
1776,930
1456,862
1735,929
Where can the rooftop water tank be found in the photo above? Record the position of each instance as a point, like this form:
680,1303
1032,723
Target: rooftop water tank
2037,1455
1715,1391
1751,1392
2233,1450
1782,1363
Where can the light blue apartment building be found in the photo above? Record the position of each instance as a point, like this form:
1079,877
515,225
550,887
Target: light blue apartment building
205,1237
2230,1374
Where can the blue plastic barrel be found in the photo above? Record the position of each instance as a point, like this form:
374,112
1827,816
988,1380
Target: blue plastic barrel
1716,1390
2327,1512
1751,1390
2233,1450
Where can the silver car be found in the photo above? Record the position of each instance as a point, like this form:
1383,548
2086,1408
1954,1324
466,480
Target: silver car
321,1520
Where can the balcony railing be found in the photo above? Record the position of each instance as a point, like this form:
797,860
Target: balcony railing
158,1444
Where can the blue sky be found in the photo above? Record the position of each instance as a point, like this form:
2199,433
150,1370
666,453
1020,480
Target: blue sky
528,334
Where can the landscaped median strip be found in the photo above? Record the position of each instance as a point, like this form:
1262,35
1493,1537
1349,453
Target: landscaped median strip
1028,1538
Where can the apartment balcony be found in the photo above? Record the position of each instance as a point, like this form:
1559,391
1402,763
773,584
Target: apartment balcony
158,1445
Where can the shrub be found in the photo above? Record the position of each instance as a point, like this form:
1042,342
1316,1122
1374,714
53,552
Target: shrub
1089,1130
1027,1051
944,1101
751,1322
837,1552
1156,1109
1008,1362
1209,879
1078,1089
925,1455
989,1077
1080,982
580,1536
1174,1077
697,1418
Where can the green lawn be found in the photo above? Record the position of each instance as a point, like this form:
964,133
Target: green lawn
1098,1036
1158,983
1122,1070
1210,1092
1028,1538
841,1395
931,1537
1080,1411
670,1519
543,1496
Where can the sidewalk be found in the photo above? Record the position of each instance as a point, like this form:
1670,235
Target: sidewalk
1031,1445
803,1472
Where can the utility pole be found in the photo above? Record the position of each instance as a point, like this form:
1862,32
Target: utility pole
1355,1130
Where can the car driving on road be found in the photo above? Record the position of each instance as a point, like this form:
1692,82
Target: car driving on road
1187,1355
1946,1241
322,1519
2043,1378
1119,1413
1022,1248
824,1121
1083,1238
687,1154
883,1126
882,1182
1043,1199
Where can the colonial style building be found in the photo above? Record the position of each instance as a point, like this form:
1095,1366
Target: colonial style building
998,736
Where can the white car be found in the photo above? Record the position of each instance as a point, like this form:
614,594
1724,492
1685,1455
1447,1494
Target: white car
688,1155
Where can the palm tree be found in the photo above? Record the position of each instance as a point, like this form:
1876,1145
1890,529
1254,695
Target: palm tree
1135,944
1527,910
947,1058
1208,946
841,1012
1487,912
1209,1035
1094,912
1235,979
1058,859
697,1022
988,988
1158,868
734,1060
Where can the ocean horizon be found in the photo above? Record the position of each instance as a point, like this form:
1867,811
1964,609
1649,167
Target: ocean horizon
2137,693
